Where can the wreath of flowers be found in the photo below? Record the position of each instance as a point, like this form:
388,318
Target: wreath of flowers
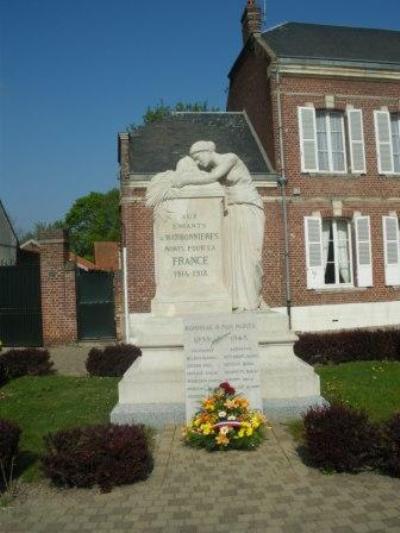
225,422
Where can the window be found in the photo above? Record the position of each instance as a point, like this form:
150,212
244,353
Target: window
395,123
330,254
325,140
387,131
336,252
331,141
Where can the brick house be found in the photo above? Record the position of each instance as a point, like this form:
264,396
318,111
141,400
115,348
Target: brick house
325,103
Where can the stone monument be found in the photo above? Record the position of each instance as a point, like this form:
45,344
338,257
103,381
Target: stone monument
208,239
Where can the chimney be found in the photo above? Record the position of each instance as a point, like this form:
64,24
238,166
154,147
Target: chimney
251,20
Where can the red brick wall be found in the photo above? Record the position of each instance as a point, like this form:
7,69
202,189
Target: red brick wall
57,289
137,228
106,255
250,90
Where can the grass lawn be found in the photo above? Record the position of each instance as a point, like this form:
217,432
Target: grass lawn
370,385
40,405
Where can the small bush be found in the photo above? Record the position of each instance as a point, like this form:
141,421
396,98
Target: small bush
29,361
107,455
341,438
9,441
346,346
113,361
391,432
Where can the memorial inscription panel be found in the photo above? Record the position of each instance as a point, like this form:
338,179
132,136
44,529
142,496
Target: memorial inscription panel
189,252
221,347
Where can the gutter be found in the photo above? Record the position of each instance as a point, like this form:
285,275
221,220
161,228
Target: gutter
282,182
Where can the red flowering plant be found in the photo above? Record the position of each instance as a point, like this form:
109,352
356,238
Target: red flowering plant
225,421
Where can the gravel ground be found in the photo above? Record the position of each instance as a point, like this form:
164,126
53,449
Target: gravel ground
70,360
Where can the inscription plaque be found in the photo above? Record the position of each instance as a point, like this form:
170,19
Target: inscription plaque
190,271
221,347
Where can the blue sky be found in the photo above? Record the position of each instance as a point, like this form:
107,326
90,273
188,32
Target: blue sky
75,72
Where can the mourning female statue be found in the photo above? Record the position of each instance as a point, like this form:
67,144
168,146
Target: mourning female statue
244,214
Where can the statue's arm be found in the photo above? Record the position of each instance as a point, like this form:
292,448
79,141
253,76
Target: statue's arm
203,178
222,169
193,178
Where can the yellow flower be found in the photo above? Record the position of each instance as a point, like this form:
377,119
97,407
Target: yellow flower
230,404
244,404
208,404
206,429
222,439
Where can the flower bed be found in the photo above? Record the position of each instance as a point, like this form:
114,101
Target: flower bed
225,422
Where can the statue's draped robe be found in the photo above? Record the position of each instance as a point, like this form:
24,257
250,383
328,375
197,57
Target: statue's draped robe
244,224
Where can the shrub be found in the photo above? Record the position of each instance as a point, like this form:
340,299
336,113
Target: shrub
107,455
29,361
113,361
352,345
391,432
3,374
9,440
341,438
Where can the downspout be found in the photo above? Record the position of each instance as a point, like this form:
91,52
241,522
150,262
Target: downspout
125,291
282,181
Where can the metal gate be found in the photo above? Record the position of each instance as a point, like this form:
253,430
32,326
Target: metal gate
20,306
95,304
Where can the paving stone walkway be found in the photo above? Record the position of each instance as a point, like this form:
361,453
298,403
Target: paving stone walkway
268,490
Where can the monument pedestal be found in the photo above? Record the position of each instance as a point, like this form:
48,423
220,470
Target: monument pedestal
194,270
152,391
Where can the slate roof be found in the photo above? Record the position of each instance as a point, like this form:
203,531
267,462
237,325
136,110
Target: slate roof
159,146
334,43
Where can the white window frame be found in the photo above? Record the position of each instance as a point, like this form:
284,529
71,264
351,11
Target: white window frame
334,222
327,118
390,143
397,118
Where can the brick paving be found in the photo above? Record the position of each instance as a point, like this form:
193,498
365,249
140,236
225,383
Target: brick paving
190,490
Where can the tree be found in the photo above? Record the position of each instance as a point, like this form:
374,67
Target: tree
161,110
94,217
38,227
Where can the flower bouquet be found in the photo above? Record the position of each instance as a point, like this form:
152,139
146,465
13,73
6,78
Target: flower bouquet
225,422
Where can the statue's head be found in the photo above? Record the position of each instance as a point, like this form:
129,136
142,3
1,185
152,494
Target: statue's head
203,153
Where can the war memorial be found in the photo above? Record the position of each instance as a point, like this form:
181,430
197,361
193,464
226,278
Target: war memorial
207,320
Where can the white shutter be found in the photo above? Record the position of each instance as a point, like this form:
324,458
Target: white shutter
356,140
384,146
392,250
308,139
363,251
314,255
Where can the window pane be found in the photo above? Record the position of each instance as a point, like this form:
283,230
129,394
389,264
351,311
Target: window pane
336,252
343,251
329,252
322,142
338,160
395,118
